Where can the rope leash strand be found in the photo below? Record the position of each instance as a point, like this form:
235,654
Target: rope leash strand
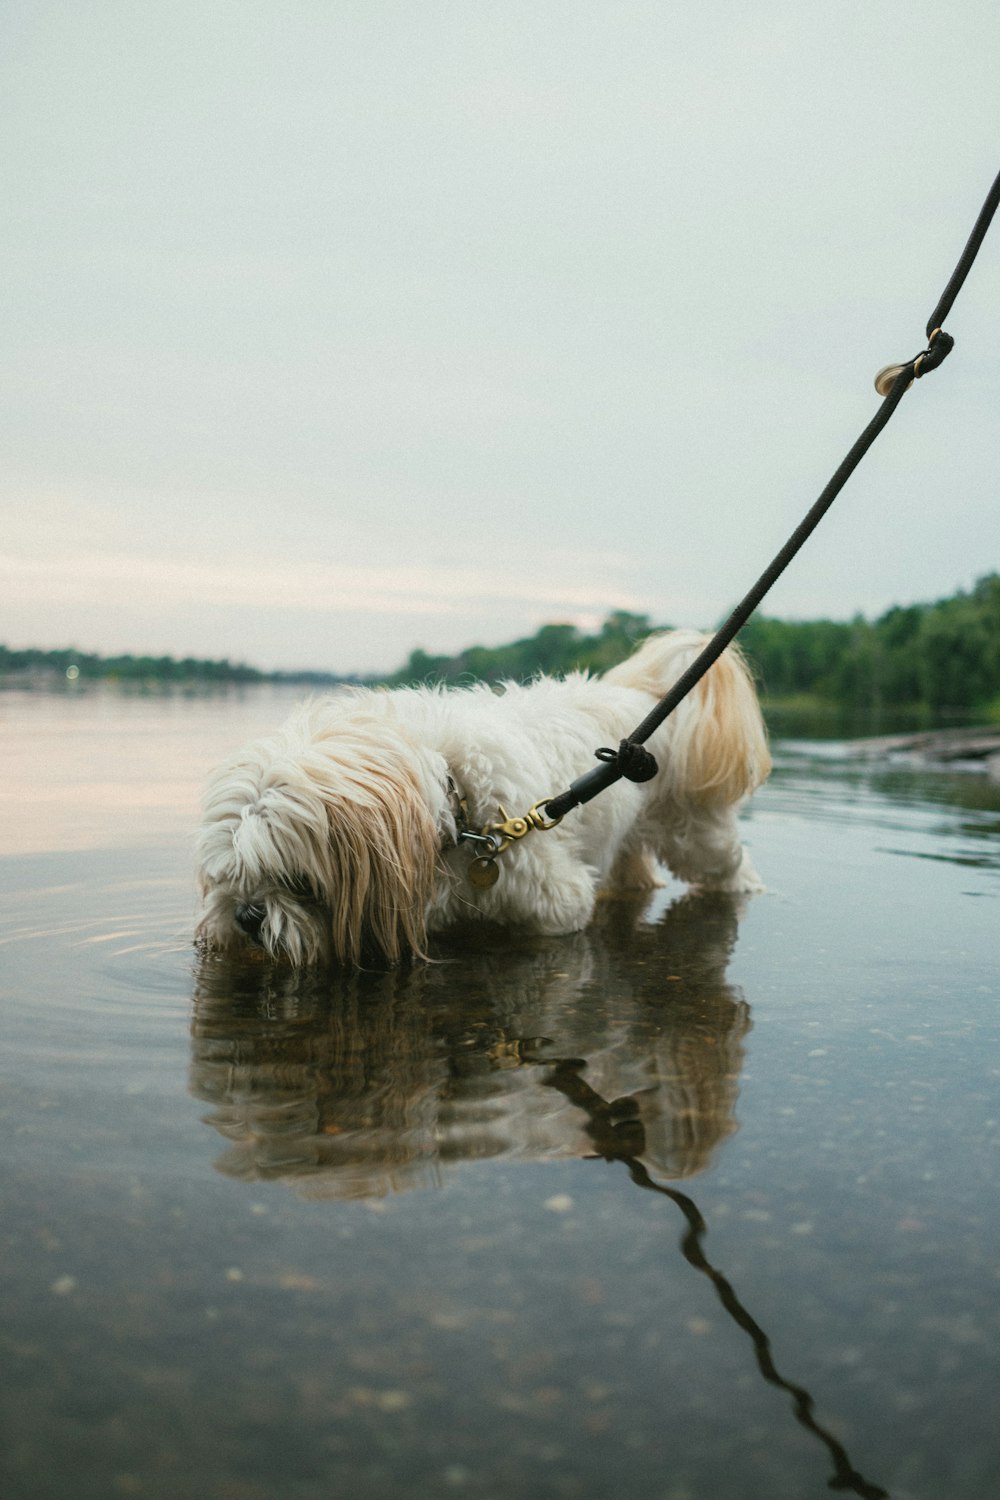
892,383
967,257
611,768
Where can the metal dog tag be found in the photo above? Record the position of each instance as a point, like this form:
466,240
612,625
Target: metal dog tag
484,872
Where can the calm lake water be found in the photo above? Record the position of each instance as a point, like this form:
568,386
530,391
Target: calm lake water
698,1205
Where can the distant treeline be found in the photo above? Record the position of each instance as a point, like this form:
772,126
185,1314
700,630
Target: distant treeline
934,657
86,666
937,656
554,649
929,657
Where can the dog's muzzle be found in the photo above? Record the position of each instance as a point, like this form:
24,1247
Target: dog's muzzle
250,920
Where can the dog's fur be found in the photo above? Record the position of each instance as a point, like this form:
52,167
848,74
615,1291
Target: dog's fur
335,838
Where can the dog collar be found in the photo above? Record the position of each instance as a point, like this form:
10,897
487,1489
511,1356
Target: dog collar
459,810
494,838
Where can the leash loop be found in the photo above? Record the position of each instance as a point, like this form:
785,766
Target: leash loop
634,762
939,346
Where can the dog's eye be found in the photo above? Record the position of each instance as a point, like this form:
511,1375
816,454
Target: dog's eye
302,889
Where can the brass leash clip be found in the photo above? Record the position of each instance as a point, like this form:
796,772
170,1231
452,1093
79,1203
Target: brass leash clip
484,870
511,829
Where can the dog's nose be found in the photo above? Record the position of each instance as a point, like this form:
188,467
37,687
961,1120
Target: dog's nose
250,920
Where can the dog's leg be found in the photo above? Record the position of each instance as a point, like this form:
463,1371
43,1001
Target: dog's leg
633,870
703,848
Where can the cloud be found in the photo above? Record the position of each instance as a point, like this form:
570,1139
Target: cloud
122,579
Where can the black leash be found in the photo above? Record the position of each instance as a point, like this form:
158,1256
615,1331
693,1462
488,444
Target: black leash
634,762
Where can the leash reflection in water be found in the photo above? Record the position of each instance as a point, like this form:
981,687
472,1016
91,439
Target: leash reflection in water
617,1134
354,1086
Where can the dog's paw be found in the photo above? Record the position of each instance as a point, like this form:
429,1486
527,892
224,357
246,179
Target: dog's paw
743,882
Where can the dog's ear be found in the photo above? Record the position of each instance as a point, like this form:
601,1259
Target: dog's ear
383,848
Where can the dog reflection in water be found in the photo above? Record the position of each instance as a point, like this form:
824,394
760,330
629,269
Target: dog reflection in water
625,1042
356,1085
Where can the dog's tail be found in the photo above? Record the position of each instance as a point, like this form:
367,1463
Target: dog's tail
718,743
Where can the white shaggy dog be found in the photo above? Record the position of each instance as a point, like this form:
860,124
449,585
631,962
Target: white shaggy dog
338,837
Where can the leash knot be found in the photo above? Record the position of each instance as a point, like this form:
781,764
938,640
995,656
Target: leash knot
633,761
939,346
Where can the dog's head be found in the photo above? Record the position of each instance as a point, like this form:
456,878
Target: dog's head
318,843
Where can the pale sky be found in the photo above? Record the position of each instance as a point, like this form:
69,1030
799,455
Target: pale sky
332,328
